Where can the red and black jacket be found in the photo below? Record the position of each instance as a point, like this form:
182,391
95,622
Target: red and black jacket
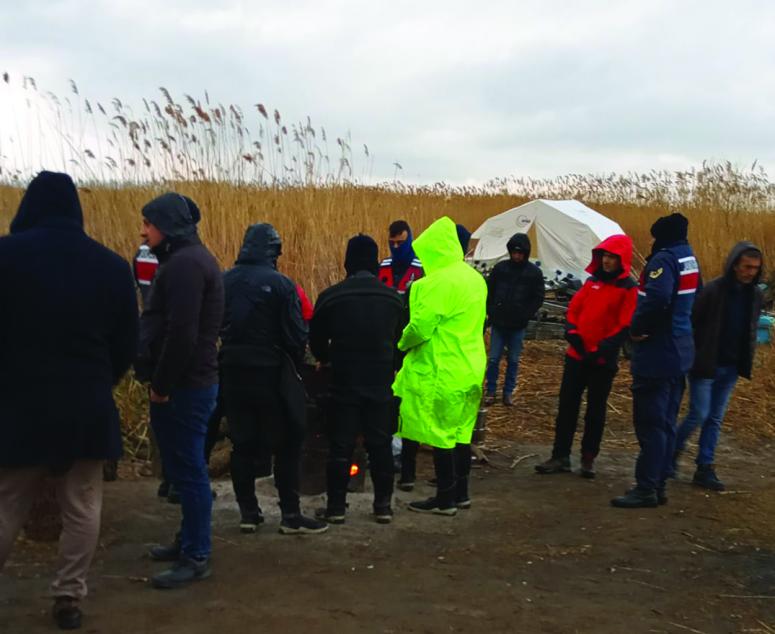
400,283
600,314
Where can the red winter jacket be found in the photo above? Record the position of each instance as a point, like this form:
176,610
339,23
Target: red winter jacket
599,315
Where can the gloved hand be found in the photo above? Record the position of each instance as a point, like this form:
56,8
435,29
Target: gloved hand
574,339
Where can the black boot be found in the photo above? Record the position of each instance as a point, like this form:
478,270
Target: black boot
250,519
554,465
706,477
588,466
636,498
66,613
443,503
463,471
170,552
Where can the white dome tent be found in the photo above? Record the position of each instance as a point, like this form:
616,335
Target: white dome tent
563,234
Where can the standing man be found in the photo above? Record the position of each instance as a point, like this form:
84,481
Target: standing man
664,353
598,321
355,328
515,292
68,333
179,333
440,383
398,272
263,342
725,318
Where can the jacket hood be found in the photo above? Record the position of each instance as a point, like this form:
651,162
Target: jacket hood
464,236
618,244
50,197
521,242
438,246
262,245
362,255
174,215
734,256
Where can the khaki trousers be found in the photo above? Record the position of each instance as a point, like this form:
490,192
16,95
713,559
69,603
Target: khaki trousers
79,495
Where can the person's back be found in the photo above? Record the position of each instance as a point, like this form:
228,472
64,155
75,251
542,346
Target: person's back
68,331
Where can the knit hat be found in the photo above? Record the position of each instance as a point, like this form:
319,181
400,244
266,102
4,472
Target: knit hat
362,255
670,229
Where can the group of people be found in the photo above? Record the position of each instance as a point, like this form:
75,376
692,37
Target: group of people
403,341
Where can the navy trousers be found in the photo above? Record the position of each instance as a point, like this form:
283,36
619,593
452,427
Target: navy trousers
655,405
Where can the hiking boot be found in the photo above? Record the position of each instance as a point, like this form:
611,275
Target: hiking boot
587,468
383,514
170,552
66,613
431,505
405,485
183,572
301,525
636,498
330,517
250,521
554,465
507,400
706,477
489,399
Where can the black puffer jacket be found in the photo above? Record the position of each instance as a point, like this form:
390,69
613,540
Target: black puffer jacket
68,333
515,292
708,317
263,311
356,326
180,324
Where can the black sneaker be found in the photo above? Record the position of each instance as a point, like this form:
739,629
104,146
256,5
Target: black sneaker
383,514
301,525
66,613
554,465
330,517
170,552
250,521
405,485
463,505
706,477
636,498
431,505
183,572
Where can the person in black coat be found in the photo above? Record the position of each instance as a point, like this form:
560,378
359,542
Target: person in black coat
68,333
515,292
355,328
178,357
264,337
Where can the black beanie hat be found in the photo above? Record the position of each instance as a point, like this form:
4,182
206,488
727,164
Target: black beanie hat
670,229
362,255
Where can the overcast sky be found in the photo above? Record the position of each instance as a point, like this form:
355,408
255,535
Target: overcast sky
454,91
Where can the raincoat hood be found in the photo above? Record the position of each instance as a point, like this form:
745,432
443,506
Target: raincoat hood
620,245
521,242
403,254
438,246
464,236
734,256
174,215
51,198
262,245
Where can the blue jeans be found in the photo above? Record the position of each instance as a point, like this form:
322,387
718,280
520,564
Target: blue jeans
655,405
504,339
708,400
180,426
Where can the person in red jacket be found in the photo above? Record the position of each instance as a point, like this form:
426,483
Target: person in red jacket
598,322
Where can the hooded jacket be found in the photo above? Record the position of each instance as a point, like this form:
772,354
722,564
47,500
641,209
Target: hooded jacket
599,315
708,317
184,309
515,291
263,311
68,333
440,383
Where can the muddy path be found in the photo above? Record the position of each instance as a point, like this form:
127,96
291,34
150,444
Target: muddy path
534,554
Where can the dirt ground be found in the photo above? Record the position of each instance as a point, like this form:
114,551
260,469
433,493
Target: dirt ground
534,554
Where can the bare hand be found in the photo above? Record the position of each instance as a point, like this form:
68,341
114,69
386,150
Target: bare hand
155,398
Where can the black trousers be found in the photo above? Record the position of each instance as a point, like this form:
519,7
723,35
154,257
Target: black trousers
409,450
597,381
259,428
453,469
374,419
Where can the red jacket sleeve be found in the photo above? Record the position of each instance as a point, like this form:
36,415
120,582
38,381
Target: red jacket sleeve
306,305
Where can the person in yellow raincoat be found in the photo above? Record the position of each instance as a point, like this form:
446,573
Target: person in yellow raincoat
440,383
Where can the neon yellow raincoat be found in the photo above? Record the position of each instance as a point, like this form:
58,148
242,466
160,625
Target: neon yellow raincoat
440,383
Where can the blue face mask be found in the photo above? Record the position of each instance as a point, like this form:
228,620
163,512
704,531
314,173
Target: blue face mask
404,253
